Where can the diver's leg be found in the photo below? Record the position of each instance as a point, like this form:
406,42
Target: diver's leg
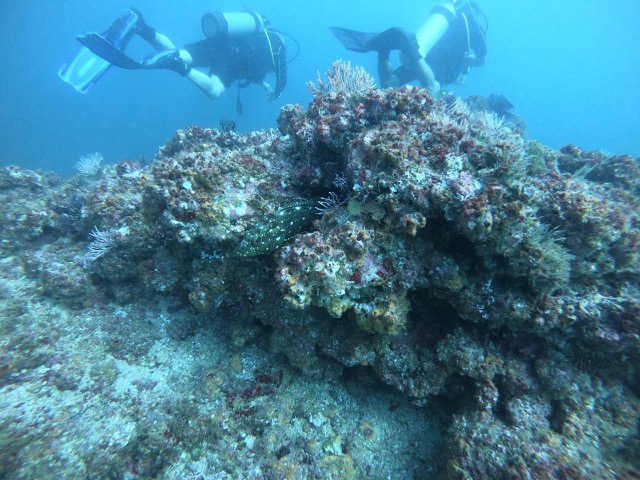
385,71
161,42
157,40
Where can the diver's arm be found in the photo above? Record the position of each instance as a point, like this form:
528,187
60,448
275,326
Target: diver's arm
427,36
212,86
426,76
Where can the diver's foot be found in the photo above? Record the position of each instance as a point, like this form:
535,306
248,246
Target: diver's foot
168,60
141,28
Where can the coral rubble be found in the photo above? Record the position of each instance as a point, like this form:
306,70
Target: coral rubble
483,275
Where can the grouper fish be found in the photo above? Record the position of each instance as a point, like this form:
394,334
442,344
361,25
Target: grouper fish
272,231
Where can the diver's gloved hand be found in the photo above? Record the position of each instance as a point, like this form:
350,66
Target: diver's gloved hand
272,95
168,60
267,87
141,28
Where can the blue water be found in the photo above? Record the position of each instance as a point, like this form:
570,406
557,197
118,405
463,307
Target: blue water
571,69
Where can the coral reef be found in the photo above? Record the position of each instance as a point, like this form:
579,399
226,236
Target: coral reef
379,237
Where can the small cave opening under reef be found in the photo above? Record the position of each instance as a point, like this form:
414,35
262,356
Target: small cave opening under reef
363,381
439,232
523,346
459,392
453,248
558,416
430,320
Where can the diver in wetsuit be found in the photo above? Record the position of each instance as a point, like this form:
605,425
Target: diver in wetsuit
238,47
442,51
246,54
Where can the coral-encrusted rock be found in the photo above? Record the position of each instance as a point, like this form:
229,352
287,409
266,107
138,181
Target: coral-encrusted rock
535,438
206,183
522,245
470,189
59,269
25,215
468,267
348,270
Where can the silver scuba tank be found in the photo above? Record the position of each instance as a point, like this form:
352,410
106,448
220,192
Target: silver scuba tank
232,24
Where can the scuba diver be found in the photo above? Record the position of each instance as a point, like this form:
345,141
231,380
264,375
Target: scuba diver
443,50
238,47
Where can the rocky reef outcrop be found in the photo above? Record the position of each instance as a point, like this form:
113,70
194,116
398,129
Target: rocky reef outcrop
392,235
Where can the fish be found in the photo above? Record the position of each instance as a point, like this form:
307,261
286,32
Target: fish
272,231
499,104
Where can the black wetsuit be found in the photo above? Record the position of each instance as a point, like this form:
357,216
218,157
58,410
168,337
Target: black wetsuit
449,57
247,59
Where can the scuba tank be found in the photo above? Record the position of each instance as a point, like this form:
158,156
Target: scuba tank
234,24
434,27
463,27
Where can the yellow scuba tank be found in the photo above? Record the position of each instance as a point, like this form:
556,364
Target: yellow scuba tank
232,24
434,26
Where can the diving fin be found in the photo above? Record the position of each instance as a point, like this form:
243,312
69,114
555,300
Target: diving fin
108,52
84,68
165,60
391,39
353,40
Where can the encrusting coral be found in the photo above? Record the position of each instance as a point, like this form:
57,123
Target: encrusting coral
460,262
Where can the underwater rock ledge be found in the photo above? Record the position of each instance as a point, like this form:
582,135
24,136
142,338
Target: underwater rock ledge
477,272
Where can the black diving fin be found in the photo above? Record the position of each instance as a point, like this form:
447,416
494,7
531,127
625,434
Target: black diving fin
165,60
109,52
85,68
391,39
353,40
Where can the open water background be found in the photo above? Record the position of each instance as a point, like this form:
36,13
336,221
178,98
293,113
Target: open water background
571,69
